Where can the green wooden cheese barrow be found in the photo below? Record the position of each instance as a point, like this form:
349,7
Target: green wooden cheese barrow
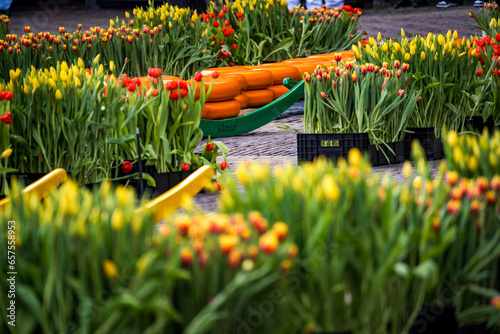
257,118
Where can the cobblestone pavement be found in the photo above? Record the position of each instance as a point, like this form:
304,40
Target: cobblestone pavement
269,143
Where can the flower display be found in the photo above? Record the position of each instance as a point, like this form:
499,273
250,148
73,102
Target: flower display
441,67
360,98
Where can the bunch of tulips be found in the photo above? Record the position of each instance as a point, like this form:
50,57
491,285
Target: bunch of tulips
361,99
181,42
94,262
372,252
4,26
441,68
86,122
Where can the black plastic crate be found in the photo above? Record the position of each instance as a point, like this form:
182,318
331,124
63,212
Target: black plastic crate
476,123
432,146
335,145
330,145
382,154
166,181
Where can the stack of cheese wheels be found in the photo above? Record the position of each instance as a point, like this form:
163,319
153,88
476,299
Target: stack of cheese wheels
258,85
221,102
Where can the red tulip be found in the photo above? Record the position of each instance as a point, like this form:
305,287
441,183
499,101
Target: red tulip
174,95
185,166
223,165
479,72
6,118
127,167
131,87
154,92
209,147
215,74
184,92
198,76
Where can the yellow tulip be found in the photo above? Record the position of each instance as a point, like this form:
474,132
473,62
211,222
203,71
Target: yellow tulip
385,47
58,95
472,164
110,270
64,66
35,84
402,33
452,138
14,74
407,57
117,219
422,55
6,153
379,37
441,39
111,23
64,76
96,59
330,188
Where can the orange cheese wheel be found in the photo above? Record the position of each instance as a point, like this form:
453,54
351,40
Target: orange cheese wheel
169,77
221,110
258,79
224,88
305,60
281,72
278,91
238,77
258,98
232,69
242,99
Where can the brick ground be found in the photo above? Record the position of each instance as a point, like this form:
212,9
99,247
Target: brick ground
268,143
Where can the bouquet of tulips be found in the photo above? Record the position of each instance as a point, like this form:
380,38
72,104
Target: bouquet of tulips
5,123
99,265
487,51
55,120
181,42
86,122
323,30
488,18
473,156
90,257
400,245
4,26
441,67
234,264
350,271
361,99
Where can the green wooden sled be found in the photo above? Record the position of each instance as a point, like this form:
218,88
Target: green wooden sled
257,118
